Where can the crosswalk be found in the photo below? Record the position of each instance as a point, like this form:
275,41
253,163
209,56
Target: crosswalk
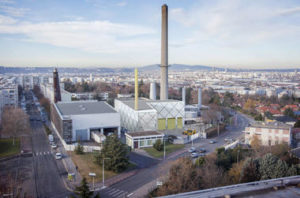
114,192
42,153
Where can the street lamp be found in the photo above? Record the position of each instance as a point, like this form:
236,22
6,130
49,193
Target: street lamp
103,171
93,175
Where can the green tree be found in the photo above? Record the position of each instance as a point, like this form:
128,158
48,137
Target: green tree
158,145
289,112
116,152
259,117
79,149
83,190
269,115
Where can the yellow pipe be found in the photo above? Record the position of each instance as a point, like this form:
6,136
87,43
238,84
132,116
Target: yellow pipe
136,90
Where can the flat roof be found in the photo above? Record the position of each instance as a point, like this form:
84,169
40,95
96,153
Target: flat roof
270,125
145,133
143,102
84,107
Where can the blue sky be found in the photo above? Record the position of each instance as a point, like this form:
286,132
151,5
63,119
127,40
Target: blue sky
114,33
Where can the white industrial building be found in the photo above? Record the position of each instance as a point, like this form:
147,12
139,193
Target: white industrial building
151,115
85,120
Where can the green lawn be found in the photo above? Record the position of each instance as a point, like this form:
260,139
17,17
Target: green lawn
170,148
7,149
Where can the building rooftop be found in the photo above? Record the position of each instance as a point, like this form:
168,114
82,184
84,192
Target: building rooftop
270,125
143,103
84,107
145,133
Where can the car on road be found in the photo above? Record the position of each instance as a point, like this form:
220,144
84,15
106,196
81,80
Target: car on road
58,156
229,140
192,149
212,141
53,145
202,150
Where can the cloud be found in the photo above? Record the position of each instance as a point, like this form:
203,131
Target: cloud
234,23
91,36
7,20
290,11
121,4
8,7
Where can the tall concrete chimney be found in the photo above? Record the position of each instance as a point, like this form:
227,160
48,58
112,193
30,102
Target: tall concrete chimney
56,87
164,54
199,98
153,91
136,90
183,95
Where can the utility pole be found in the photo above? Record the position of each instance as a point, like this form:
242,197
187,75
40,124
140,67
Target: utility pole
103,171
218,129
164,149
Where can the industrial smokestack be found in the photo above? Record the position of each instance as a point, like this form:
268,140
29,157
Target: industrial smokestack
136,90
183,95
153,91
199,98
56,87
164,54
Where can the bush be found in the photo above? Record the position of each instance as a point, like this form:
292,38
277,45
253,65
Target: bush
79,149
158,145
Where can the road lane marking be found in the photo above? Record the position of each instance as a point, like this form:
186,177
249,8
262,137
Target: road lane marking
129,194
41,153
117,191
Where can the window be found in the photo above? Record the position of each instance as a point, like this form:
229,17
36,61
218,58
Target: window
149,142
142,143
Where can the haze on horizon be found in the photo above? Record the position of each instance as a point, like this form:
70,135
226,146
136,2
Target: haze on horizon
223,33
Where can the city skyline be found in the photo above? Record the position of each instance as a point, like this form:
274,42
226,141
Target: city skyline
231,34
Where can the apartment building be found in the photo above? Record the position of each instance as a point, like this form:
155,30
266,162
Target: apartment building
269,133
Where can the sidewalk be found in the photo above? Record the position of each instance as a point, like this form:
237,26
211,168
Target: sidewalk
67,162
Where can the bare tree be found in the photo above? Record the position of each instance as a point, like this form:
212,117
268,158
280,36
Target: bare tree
14,122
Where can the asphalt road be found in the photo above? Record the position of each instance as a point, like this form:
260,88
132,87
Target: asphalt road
47,171
156,170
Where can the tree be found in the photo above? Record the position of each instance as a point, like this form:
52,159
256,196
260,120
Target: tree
158,145
250,105
15,122
289,112
259,117
255,142
83,190
270,167
234,173
79,149
297,124
116,152
250,170
183,176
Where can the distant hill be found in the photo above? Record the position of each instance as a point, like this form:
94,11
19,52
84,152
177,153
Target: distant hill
88,70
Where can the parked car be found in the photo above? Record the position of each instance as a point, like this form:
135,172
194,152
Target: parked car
58,156
201,154
53,145
194,155
212,141
51,138
202,150
229,140
192,149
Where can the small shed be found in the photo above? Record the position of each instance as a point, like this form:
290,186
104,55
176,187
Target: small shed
143,139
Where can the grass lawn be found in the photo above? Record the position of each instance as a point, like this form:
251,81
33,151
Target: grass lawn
170,148
7,149
86,165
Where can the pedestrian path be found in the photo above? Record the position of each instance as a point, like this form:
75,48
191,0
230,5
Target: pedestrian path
113,192
42,153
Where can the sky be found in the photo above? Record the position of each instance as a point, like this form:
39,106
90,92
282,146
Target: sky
126,33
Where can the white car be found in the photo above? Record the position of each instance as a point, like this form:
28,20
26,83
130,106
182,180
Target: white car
58,156
194,155
53,146
212,141
192,149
